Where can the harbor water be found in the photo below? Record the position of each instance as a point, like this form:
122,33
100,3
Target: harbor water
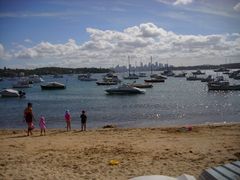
174,102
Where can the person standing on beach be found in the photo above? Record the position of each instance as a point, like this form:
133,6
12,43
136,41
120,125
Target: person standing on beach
68,120
42,125
83,121
28,116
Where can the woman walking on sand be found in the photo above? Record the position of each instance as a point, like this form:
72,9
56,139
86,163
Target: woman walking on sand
83,121
28,116
68,120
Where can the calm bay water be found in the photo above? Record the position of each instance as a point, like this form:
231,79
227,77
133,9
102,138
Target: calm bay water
175,102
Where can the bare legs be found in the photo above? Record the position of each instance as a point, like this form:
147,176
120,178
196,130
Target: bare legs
43,131
83,126
68,126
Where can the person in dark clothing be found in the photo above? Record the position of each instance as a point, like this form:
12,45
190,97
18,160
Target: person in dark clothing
83,121
28,115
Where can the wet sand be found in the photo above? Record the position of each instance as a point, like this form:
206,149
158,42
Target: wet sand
168,151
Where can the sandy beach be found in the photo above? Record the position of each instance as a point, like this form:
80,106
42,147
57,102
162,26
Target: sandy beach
168,151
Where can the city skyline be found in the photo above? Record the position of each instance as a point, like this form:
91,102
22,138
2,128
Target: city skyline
104,33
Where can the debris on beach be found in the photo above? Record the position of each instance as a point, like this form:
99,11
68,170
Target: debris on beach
113,162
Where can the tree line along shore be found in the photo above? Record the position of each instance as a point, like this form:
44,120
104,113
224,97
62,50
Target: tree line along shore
10,72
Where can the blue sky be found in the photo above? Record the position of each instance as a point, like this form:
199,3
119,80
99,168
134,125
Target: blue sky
41,33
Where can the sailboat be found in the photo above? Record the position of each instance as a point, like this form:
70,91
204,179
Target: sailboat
155,78
130,75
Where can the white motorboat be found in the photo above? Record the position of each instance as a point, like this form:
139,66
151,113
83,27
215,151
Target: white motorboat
158,76
110,77
35,79
22,84
11,93
86,77
142,74
53,86
131,76
125,89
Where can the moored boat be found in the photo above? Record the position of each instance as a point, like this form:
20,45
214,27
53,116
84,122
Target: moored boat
154,80
182,74
168,72
131,76
193,78
35,79
221,69
207,79
145,85
11,93
106,83
22,84
158,76
86,77
142,74
198,72
125,89
53,86
223,87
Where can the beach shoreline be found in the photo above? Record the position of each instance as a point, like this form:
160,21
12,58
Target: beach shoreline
168,150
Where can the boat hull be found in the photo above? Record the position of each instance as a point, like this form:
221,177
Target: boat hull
154,80
52,88
106,83
142,85
121,92
224,88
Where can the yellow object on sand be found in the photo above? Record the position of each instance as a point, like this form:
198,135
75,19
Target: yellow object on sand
113,162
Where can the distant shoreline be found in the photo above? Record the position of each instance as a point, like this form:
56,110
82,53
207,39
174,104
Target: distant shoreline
9,72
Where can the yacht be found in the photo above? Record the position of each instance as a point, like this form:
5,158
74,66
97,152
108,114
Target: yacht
198,72
154,80
53,86
22,84
223,86
144,85
125,89
209,78
110,77
86,77
35,79
158,76
131,76
11,93
168,72
193,78
182,74
142,74
221,69
107,83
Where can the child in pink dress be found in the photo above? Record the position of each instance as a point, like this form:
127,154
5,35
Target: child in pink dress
68,120
42,125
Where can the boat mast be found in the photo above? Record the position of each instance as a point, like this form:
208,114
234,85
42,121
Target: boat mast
151,64
129,65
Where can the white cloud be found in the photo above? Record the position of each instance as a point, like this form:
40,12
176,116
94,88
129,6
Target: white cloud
182,2
107,47
237,7
28,40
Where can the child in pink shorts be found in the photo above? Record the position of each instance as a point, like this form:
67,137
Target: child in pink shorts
42,125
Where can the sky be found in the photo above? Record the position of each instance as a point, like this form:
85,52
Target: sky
103,33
